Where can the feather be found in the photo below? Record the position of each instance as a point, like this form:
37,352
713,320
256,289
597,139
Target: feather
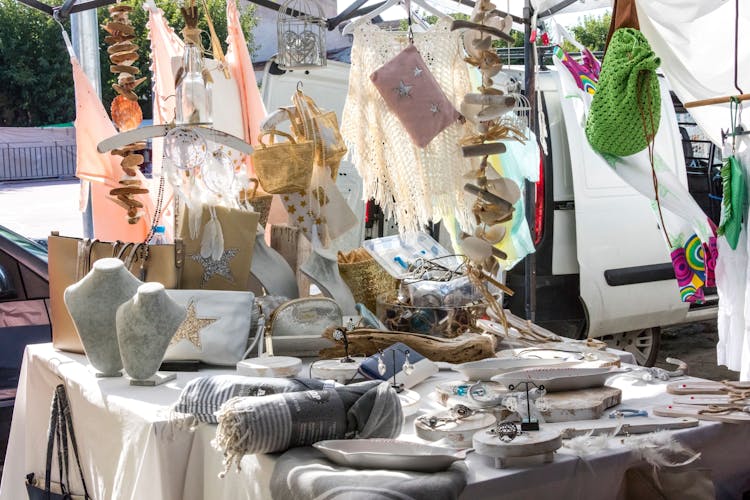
660,449
588,444
212,244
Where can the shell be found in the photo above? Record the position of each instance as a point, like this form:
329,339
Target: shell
126,113
493,234
119,8
126,45
128,94
110,39
131,161
117,28
476,249
126,57
506,189
122,68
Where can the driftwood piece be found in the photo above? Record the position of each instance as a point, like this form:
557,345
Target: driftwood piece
461,349
460,25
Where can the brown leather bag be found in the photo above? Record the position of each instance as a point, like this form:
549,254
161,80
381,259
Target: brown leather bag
70,259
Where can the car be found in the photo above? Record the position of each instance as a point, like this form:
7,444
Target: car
24,314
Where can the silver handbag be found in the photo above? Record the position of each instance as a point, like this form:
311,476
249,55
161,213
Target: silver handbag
296,327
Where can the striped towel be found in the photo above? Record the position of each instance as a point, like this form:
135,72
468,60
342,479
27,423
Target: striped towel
203,397
278,422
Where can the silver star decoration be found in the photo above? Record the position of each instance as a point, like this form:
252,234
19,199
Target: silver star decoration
434,108
417,71
216,267
403,90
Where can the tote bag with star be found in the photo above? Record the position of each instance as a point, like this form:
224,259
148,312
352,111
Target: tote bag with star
411,93
219,256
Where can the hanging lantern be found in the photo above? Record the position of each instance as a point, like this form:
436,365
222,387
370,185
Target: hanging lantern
302,38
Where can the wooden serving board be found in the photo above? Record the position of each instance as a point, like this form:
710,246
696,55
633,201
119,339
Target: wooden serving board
630,425
583,404
676,410
705,387
708,399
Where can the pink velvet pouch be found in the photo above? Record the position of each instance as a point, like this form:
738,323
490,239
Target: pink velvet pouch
414,96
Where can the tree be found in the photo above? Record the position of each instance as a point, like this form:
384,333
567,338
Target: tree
37,84
592,32
139,17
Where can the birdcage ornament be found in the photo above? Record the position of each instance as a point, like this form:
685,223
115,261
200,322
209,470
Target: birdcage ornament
302,35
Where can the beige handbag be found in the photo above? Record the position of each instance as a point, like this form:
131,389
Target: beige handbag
232,270
283,167
70,259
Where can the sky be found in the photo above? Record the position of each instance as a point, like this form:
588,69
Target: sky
451,6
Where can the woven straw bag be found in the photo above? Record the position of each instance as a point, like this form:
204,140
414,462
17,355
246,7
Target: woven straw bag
284,167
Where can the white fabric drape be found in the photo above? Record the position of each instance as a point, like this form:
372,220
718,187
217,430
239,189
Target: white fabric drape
695,41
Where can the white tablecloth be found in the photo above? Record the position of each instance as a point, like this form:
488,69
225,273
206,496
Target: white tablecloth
129,450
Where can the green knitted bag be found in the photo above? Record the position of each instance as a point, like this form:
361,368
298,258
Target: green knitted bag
625,110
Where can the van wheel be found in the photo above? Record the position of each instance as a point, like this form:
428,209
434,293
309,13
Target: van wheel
643,344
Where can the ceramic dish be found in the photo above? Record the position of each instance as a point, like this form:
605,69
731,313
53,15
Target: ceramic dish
334,369
270,366
558,379
564,352
409,402
458,433
389,454
485,369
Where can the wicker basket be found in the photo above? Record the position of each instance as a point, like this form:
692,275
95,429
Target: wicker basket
365,277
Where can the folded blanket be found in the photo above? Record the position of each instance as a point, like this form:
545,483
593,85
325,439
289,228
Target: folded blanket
305,474
278,422
202,397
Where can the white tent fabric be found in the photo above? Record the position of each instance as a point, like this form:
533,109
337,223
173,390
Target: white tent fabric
695,41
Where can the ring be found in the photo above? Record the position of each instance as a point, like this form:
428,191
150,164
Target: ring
505,431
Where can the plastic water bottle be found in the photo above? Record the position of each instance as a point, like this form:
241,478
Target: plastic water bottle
159,237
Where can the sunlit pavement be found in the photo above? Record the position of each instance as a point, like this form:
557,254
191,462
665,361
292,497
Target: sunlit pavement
33,209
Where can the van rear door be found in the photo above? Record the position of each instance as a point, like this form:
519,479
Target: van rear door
626,277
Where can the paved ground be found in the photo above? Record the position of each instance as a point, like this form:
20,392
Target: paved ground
33,209
695,344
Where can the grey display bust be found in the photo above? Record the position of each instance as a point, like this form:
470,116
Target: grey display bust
145,325
93,303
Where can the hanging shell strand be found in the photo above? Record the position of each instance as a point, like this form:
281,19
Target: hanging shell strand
126,113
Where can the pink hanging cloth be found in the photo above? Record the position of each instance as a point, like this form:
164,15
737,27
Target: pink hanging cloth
241,67
165,45
92,125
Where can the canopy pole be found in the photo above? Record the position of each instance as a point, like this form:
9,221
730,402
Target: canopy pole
530,189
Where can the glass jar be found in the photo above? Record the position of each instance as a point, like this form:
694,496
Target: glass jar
193,92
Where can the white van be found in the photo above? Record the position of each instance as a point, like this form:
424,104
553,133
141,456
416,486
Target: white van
602,269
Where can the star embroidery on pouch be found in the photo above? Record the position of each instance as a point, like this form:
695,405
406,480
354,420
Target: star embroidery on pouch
291,209
190,328
300,219
435,109
403,90
219,267
417,71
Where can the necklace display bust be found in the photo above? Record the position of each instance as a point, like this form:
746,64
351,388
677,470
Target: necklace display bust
145,325
93,303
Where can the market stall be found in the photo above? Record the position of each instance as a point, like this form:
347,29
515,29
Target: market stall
219,340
